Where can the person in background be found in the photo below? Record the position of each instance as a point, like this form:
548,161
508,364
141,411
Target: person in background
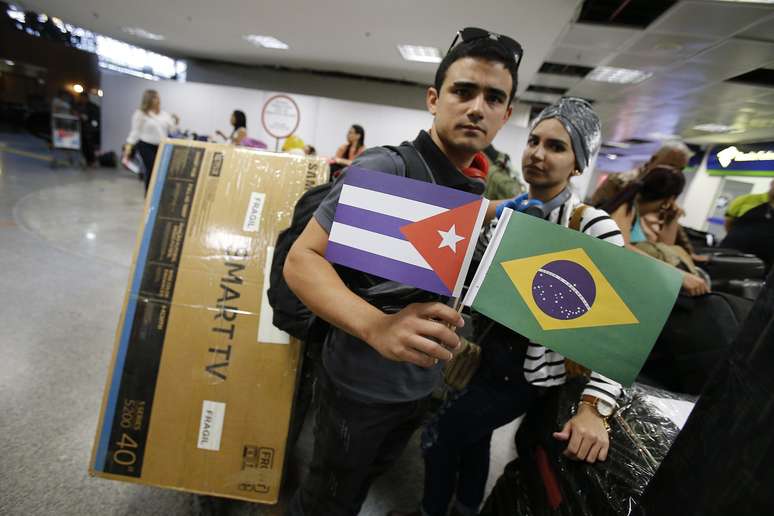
309,150
239,123
353,148
89,114
655,193
753,231
149,126
745,203
502,181
672,154
515,372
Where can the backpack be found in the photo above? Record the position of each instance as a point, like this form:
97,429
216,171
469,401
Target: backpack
290,313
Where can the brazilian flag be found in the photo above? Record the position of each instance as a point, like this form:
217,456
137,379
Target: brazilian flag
598,304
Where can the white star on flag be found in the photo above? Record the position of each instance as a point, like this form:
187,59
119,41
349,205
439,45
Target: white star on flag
450,238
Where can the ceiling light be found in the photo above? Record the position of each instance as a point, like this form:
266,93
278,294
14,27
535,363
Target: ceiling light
713,128
618,75
9,62
612,156
99,93
77,88
266,41
420,54
142,33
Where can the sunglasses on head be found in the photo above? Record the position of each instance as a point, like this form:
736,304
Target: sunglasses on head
469,34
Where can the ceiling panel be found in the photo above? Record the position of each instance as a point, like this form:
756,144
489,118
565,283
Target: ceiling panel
735,56
670,46
646,63
763,30
556,81
709,19
599,91
579,56
598,36
531,96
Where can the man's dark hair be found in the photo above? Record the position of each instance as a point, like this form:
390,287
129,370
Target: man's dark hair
483,48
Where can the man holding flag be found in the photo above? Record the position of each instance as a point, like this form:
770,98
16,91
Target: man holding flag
380,368
514,371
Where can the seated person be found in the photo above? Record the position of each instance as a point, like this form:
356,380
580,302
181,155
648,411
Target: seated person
753,232
655,193
745,203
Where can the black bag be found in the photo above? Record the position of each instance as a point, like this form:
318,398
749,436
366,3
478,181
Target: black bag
721,463
290,314
108,159
695,338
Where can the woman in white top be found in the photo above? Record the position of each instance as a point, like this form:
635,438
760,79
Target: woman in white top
149,126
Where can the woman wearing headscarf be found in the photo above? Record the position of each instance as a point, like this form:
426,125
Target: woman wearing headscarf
514,372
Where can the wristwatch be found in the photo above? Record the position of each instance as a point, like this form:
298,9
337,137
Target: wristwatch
603,408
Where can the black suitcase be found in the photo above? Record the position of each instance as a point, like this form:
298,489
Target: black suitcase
696,336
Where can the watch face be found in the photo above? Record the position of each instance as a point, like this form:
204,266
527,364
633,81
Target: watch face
604,408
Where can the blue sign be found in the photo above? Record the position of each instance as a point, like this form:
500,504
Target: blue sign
752,159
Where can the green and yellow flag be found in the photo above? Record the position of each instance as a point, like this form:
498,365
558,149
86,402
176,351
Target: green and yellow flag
601,305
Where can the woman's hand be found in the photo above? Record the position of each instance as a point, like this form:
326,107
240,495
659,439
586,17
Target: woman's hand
586,435
693,285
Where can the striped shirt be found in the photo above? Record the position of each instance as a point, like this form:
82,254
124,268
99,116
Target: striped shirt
545,368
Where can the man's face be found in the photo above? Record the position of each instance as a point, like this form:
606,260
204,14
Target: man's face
472,104
668,158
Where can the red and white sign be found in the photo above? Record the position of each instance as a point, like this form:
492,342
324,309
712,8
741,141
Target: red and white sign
280,116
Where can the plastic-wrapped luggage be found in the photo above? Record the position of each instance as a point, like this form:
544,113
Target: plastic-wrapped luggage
542,482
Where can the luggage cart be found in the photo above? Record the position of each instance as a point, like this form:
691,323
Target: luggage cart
66,140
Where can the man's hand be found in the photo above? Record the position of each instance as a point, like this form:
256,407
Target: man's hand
418,334
693,285
587,436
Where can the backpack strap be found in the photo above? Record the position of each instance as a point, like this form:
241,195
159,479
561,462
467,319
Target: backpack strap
412,159
577,216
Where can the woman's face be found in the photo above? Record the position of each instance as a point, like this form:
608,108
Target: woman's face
233,119
352,136
156,103
548,160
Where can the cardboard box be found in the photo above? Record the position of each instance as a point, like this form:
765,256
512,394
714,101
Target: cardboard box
201,383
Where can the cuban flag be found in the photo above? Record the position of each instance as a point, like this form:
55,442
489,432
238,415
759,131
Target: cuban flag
405,230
